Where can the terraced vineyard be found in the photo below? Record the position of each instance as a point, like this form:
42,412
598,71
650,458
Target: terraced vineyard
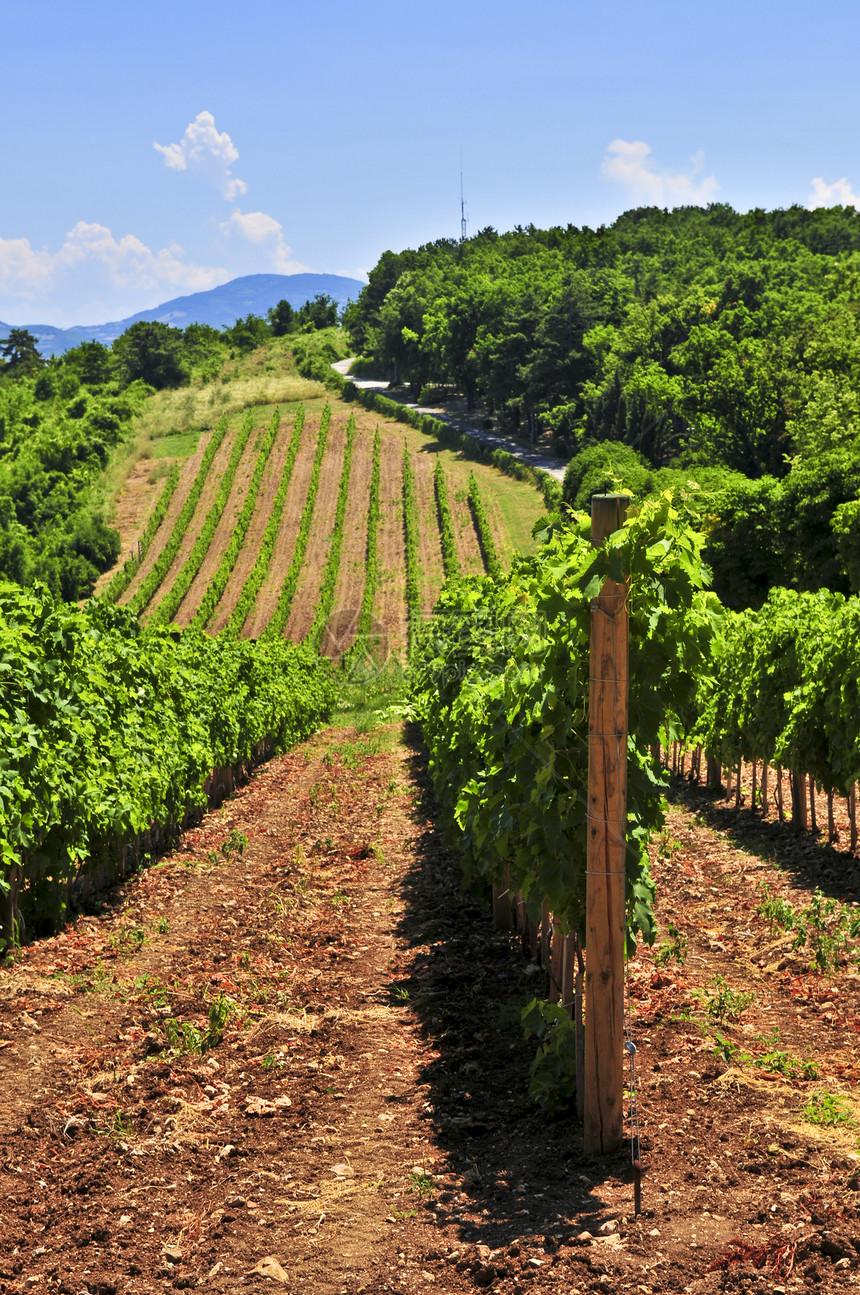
271,526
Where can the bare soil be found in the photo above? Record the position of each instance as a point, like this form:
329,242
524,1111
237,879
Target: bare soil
140,491
254,536
465,535
267,599
316,554
187,473
204,503
390,605
223,531
429,540
349,590
358,1121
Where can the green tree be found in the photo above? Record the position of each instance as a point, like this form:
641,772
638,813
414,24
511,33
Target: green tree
21,358
151,352
281,319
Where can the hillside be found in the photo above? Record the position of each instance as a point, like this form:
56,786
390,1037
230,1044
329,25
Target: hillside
300,511
219,307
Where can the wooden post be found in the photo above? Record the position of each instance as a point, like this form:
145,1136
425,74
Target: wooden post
579,1028
798,800
606,851
503,909
779,802
545,928
713,774
764,789
852,814
812,816
556,966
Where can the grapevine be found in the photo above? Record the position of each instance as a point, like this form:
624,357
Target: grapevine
413,557
485,533
165,559
123,578
450,561
361,647
258,573
277,624
325,598
218,584
501,688
115,729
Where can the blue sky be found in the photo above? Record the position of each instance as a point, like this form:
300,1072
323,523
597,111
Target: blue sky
314,136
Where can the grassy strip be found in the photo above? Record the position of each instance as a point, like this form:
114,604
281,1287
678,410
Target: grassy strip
485,534
325,597
172,600
164,561
278,623
122,579
471,447
413,558
212,596
450,561
362,647
260,569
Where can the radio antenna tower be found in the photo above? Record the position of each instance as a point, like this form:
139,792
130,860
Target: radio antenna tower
462,205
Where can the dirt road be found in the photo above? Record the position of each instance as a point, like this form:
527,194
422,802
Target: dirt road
289,1056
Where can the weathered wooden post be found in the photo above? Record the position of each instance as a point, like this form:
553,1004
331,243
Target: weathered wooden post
606,853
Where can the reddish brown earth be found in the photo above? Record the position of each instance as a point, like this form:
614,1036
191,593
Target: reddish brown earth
465,535
349,589
390,604
204,503
362,1123
267,599
429,541
254,536
140,491
224,529
187,473
316,554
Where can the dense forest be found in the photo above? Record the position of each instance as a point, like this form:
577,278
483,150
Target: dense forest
690,345
60,419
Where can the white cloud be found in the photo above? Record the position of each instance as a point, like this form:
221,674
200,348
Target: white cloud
92,262
207,152
838,194
266,233
631,164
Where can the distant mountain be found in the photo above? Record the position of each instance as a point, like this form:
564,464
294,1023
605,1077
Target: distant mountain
254,294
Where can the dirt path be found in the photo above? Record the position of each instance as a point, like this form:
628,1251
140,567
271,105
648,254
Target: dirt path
316,554
390,605
254,537
465,535
293,1047
204,503
267,599
140,491
187,474
349,589
224,529
429,541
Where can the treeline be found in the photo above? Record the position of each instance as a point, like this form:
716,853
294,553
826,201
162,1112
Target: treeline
699,339
60,418
801,531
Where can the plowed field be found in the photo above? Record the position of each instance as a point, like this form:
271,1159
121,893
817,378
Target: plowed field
512,507
291,1054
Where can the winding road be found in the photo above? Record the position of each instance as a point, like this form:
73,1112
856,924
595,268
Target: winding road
543,462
